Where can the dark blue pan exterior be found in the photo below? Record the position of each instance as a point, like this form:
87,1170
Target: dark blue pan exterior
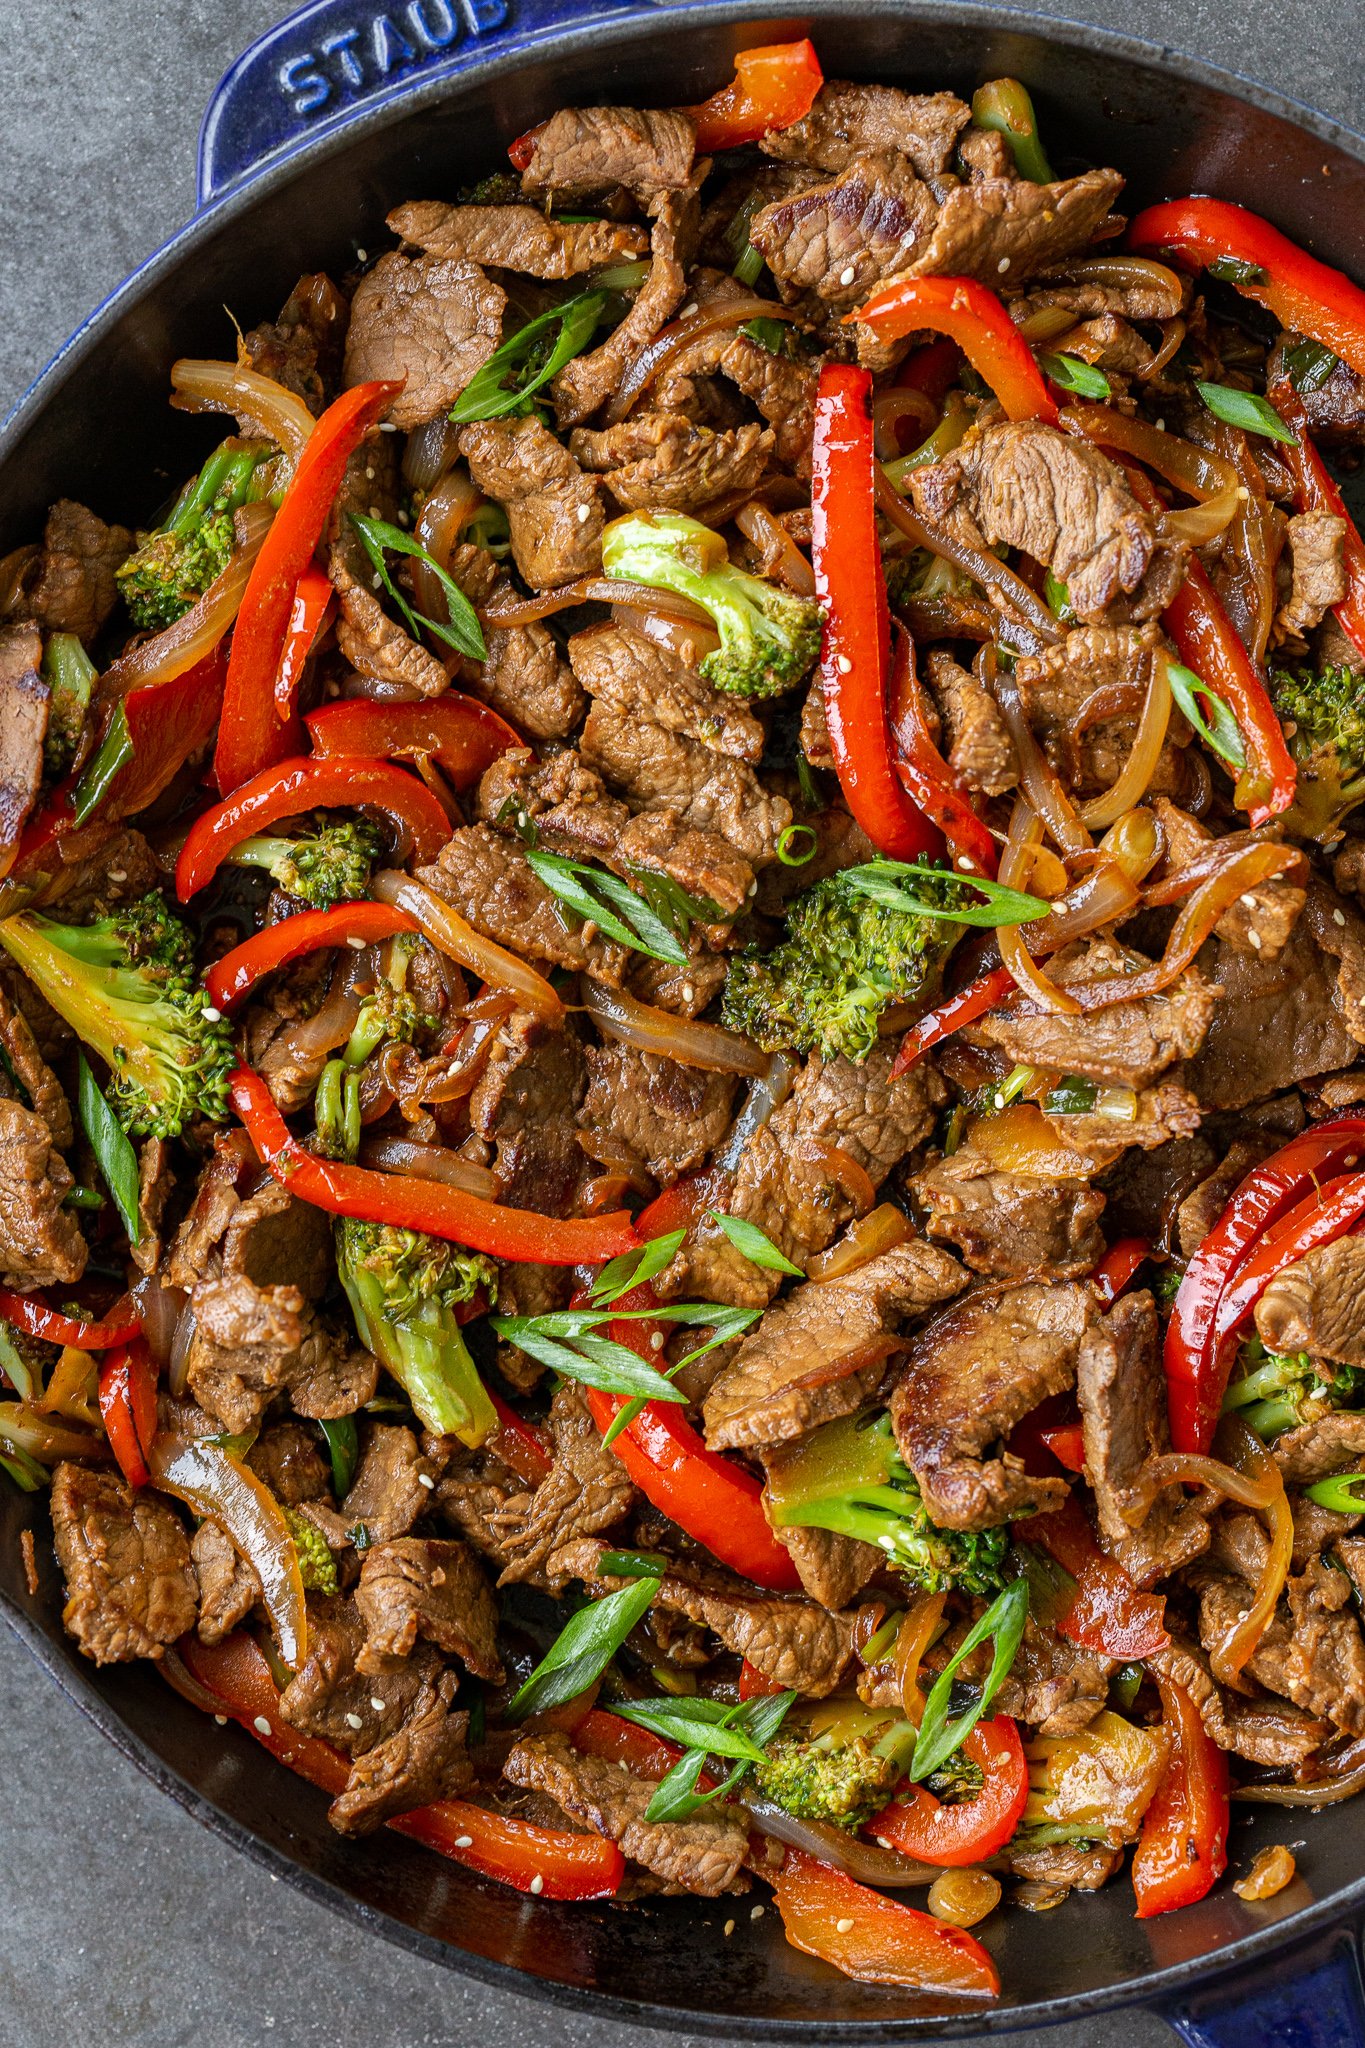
322,126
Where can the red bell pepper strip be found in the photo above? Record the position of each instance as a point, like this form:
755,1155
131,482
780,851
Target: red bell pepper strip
952,1015
1183,1848
1117,1268
548,1862
973,316
282,791
919,1825
442,1211
607,1736
252,735
27,1313
678,1207
875,1939
926,775
1302,292
230,980
931,368
1326,1213
756,1685
1207,641
1196,1377
462,736
313,600
127,1397
1317,492
713,1500
772,87
520,1445
1066,1441
855,645
1108,1615
167,723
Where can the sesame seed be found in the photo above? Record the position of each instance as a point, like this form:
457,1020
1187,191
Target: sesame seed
261,1725
730,1927
965,862
425,1479
221,1719
361,256
376,1703
756,1912
404,518
843,1927
1243,494
847,276
387,427
584,514
1161,426
464,1841
885,1841
359,944
688,992
845,666
118,874
354,1721
688,311
1003,265
656,1341
376,583
537,1884
999,1101
212,1016
1255,938
1338,917
1248,899
369,471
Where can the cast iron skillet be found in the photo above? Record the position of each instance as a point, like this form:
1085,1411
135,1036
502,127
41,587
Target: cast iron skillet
320,128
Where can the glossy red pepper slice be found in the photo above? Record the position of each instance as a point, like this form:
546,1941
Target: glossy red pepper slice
429,1205
926,775
606,1735
756,1685
303,784
520,1445
127,1397
1317,492
547,1862
920,1825
462,736
1108,1615
1302,292
772,87
1182,1850
855,644
231,979
313,600
1117,1268
1066,1441
875,1939
973,316
1320,1217
27,1312
252,735
951,1015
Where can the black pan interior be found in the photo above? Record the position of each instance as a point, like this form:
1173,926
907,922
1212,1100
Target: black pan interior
1172,129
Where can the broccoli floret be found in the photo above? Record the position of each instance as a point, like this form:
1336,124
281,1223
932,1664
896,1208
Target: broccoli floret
1323,717
174,565
845,959
848,1476
769,638
844,1783
70,675
404,1288
331,865
125,985
390,1011
1280,1391
317,1566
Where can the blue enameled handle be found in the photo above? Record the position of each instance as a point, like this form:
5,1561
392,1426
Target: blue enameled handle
332,57
1312,2000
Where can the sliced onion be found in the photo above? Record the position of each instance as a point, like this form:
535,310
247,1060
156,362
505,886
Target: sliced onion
1016,866
688,644
679,335
889,408
257,402
1343,1784
429,1162
454,935
212,1482
873,1234
525,611
1257,1482
1037,777
1126,273
442,519
1030,620
868,1862
1105,896
197,632
1135,842
842,1166
782,558
1197,525
1045,324
917,1632
22,1426
1192,469
432,449
624,1017
1141,765
1210,860
765,1095
160,1308
178,1364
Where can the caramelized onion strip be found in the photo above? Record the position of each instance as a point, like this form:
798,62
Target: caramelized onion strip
1145,753
452,934
255,401
624,1017
680,334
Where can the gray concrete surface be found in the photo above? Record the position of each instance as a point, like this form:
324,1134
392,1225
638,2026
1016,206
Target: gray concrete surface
123,1923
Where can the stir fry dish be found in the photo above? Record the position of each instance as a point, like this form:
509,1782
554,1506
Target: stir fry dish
682,984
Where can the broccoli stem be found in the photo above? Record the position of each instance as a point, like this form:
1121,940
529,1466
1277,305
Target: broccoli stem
1005,106
226,476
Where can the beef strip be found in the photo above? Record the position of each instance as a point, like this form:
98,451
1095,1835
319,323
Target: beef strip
251,1342
130,1585
155,1184
972,1374
40,1241
704,1854
1318,1304
1275,1024
980,751
1056,685
1129,1044
377,646
526,1103
585,1492
1263,1731
782,389
229,1585
833,1569
485,878
23,728
554,512
1262,918
1061,1867
417,1586
837,242
287,1457
1331,1443
516,238
1011,1226
848,120
32,1072
636,678
584,153
1316,541
526,680
659,770
422,1761
1062,501
1053,1685
1148,297
430,320
394,1484
1338,930
667,1116
824,1350
791,1640
663,461
585,383
1164,1113
1313,1652
1008,228
1121,1388
290,1062
303,348
68,586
